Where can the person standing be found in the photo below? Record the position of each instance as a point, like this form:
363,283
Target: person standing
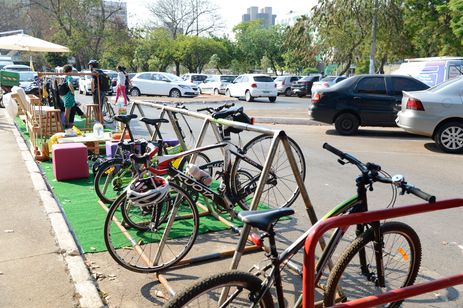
120,86
93,67
69,98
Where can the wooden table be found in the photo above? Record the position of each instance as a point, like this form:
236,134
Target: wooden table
90,140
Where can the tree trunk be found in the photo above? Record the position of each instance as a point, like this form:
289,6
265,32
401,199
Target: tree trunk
346,67
177,68
383,62
218,69
373,38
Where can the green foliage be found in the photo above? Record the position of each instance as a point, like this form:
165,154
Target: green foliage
196,51
56,59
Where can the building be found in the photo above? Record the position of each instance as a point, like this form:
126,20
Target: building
265,15
118,11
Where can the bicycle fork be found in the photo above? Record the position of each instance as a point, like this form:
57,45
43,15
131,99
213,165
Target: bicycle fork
378,279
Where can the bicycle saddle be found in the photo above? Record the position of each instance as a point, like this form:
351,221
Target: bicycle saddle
125,118
227,112
263,219
154,121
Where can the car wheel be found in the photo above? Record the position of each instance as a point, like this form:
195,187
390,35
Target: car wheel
135,92
449,137
200,91
227,93
80,91
288,92
175,93
216,92
248,96
272,99
300,95
346,124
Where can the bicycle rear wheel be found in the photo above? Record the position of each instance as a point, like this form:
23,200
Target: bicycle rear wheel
281,189
206,292
148,245
112,178
401,259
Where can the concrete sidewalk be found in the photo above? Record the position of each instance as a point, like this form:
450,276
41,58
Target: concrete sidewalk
40,265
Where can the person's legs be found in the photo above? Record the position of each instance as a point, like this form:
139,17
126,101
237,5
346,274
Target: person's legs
118,90
67,114
72,115
123,94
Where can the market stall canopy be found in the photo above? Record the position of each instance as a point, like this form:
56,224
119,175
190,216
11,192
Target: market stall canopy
26,42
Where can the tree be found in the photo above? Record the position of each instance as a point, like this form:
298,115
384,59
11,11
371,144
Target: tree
186,16
197,51
154,51
300,52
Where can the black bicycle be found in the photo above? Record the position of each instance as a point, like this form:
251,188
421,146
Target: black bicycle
381,258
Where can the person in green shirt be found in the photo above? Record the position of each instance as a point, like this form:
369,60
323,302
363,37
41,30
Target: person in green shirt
68,99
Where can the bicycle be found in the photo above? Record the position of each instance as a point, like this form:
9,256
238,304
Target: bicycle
107,111
163,242
238,288
113,175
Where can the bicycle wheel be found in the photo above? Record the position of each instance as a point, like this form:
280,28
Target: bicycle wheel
112,178
281,189
401,259
108,112
162,243
206,292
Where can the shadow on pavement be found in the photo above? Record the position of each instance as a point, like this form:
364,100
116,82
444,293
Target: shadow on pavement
371,133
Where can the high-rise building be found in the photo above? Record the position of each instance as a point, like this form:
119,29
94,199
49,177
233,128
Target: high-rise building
118,9
265,15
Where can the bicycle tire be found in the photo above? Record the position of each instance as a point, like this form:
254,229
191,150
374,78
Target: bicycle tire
272,196
137,250
361,285
108,112
111,179
191,296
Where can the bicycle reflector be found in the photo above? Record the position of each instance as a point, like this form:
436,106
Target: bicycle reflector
256,239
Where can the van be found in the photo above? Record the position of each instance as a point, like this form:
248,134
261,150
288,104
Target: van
432,70
5,60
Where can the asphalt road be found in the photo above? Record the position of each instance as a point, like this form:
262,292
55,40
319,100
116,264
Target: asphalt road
328,183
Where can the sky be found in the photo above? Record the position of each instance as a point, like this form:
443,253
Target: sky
231,10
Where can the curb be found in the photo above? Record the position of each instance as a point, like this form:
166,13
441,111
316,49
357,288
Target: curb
85,286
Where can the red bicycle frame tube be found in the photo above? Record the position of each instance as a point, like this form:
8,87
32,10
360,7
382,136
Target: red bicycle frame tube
308,291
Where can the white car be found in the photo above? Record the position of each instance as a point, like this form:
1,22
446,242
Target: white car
216,84
251,86
194,78
326,82
159,83
85,84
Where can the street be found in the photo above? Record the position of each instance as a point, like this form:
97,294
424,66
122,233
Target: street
328,183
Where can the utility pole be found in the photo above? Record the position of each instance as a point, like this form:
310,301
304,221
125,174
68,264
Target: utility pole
373,37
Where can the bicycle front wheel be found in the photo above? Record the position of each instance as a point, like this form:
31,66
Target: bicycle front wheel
148,244
243,289
112,178
108,112
281,189
401,258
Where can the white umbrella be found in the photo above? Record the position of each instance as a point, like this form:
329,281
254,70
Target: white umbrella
26,42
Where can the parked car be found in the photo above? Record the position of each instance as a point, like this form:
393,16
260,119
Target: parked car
27,79
303,86
216,84
251,86
284,84
326,82
363,100
85,84
17,67
5,60
158,83
194,78
436,113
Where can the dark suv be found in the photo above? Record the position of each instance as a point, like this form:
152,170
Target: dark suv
303,86
363,100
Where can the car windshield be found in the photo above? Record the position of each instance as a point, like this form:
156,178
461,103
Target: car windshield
280,78
227,78
307,78
172,77
263,79
444,84
26,76
345,82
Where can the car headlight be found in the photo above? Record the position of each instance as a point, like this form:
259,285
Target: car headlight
184,87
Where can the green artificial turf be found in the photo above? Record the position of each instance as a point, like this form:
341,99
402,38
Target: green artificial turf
86,217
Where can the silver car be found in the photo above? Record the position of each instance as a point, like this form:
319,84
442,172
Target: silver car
216,84
436,113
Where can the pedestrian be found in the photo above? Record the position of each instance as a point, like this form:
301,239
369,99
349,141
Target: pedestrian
69,98
128,84
121,81
103,86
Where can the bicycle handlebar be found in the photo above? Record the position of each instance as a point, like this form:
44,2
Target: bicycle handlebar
212,110
371,170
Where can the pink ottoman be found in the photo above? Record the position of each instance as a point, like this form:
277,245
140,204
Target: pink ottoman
70,161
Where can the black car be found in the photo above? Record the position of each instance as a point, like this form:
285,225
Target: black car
363,100
304,85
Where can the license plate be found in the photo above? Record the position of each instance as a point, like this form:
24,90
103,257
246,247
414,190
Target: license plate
266,91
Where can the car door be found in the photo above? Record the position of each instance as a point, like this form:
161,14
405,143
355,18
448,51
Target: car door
243,85
233,87
161,84
374,105
143,83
